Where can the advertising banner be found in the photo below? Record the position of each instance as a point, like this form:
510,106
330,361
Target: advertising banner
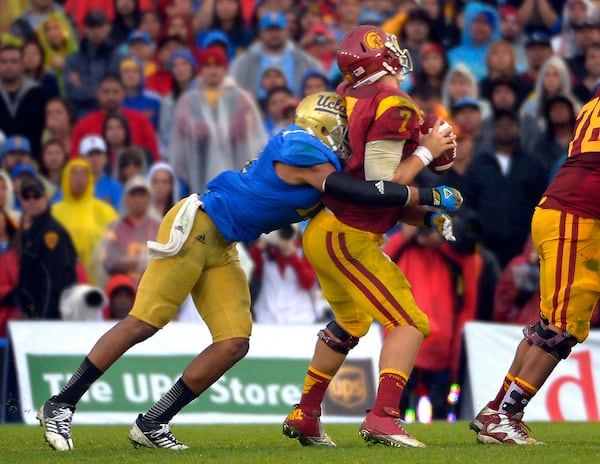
261,388
569,394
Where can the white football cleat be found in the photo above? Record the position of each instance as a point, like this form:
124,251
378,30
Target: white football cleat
501,429
56,419
153,435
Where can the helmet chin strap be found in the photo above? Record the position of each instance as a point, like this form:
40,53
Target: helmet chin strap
330,141
400,75
371,79
339,150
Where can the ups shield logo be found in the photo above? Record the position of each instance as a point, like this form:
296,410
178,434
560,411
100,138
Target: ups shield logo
352,389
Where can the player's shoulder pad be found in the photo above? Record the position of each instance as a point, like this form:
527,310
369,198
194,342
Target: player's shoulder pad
396,98
300,148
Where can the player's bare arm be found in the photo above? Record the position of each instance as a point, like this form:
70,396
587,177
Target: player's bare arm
414,216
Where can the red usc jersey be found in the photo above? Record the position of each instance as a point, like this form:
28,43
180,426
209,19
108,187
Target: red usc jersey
375,112
576,186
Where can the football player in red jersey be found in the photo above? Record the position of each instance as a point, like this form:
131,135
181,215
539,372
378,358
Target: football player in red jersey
342,242
566,234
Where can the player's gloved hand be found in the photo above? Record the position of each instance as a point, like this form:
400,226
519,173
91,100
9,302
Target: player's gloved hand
442,224
447,198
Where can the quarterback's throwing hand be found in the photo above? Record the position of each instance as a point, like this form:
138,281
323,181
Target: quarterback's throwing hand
447,198
442,224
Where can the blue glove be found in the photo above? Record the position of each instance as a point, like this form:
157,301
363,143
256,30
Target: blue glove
447,198
441,223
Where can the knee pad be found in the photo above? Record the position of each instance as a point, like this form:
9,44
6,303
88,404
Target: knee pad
346,343
557,345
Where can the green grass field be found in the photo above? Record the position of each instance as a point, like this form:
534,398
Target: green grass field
567,442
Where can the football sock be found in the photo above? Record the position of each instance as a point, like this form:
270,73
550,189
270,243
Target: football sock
517,396
497,402
315,386
85,375
171,403
389,392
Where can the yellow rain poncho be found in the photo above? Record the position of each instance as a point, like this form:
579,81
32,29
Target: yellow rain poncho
85,218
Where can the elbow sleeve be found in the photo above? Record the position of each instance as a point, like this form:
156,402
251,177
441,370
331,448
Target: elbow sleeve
380,193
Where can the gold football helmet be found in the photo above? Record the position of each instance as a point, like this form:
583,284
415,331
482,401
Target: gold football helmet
323,114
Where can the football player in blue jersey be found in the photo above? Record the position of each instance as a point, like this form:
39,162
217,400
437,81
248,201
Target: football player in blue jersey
195,253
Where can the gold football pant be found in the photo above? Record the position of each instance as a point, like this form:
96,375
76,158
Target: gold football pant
569,249
207,266
358,280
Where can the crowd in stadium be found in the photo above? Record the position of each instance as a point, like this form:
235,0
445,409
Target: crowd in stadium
113,111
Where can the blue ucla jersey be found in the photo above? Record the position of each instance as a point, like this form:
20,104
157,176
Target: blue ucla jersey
255,200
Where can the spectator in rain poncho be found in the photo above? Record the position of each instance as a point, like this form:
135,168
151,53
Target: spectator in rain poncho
217,125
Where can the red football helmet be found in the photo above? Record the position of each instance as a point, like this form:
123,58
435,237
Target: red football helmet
366,53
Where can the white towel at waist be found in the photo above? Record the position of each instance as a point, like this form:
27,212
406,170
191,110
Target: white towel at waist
180,230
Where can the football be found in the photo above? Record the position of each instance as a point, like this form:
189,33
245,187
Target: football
442,164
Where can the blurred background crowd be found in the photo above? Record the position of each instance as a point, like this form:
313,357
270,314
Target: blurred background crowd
111,111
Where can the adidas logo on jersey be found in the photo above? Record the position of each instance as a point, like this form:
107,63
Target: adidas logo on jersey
380,187
201,238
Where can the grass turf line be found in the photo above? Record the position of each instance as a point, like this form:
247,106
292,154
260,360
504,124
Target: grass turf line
566,442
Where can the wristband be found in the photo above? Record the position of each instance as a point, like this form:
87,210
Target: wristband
428,218
427,197
423,154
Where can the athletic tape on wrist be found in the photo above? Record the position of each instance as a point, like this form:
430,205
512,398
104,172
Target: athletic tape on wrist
423,154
